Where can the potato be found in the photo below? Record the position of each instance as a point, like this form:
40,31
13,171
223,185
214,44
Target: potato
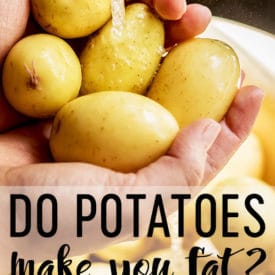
76,260
99,268
71,19
124,60
125,251
41,73
243,187
179,262
119,130
198,78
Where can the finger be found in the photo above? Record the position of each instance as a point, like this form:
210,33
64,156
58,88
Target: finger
13,19
183,165
236,126
170,10
66,181
65,174
25,145
9,117
185,162
167,9
193,22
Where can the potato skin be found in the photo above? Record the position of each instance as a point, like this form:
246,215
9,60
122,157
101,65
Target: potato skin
198,78
126,60
70,18
40,74
119,130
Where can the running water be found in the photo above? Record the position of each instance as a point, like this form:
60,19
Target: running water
118,15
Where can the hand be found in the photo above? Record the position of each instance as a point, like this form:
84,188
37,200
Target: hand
196,156
198,153
182,22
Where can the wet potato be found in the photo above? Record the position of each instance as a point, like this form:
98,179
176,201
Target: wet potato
122,131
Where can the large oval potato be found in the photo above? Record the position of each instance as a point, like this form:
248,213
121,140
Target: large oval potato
198,78
71,19
124,58
120,130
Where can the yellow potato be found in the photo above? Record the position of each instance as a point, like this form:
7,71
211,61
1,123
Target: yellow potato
198,78
41,73
119,130
71,19
243,186
125,251
179,264
127,59
99,268
76,260
160,239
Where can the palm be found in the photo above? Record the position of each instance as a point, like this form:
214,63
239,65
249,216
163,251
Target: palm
193,159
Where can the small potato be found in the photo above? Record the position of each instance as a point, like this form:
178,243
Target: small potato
124,58
40,74
198,78
119,130
71,19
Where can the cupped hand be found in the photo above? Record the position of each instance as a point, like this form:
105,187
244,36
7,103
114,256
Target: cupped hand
197,154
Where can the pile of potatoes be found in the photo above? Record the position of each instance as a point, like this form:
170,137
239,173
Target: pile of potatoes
121,99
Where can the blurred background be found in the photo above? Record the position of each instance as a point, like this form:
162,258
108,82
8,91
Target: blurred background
257,13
